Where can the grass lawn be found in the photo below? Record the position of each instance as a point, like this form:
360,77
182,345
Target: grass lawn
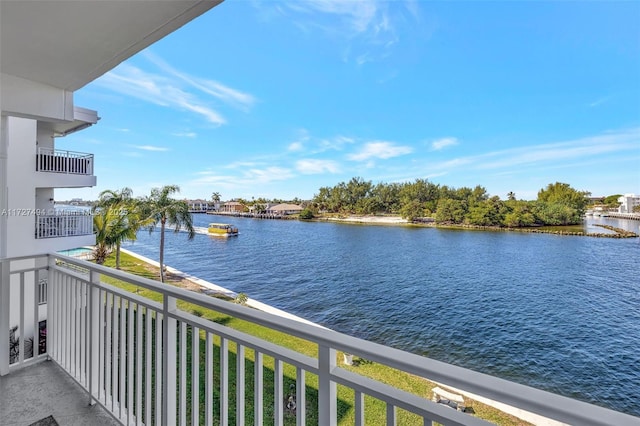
375,409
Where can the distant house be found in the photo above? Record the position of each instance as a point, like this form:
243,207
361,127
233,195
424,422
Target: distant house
198,205
232,207
284,209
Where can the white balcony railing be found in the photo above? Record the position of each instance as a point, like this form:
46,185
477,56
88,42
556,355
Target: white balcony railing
61,161
64,224
141,359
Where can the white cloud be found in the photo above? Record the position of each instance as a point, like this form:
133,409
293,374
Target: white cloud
268,174
365,29
599,102
312,166
546,156
210,87
151,148
380,149
157,89
440,144
185,134
295,146
337,143
563,151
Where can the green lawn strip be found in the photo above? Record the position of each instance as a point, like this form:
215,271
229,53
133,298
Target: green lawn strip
375,410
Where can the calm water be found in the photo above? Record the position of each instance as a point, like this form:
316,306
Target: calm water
555,312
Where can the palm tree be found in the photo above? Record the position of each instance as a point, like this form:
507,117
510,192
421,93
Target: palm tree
160,208
215,198
122,222
111,229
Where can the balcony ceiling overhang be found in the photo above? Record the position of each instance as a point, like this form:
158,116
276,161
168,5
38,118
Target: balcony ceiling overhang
67,44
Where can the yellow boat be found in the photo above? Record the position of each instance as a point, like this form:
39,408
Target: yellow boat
222,230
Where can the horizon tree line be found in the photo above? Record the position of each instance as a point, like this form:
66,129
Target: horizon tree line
557,204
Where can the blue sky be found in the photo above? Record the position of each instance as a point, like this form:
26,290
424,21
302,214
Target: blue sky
276,99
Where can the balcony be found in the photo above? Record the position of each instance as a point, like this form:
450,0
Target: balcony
59,168
158,360
60,161
64,224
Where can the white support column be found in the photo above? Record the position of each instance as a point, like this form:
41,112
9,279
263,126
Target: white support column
169,361
327,403
95,328
301,402
5,304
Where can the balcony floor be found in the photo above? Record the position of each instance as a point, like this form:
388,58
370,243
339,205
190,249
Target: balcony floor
44,390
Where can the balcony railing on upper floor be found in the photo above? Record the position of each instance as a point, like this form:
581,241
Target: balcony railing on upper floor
61,161
154,362
64,224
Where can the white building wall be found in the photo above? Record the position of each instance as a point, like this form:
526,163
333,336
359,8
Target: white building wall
21,208
24,192
628,203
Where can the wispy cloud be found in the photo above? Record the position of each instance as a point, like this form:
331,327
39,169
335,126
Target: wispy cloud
157,89
314,166
268,174
336,143
549,155
151,148
365,29
440,144
563,151
185,134
380,149
173,88
211,87
599,102
301,140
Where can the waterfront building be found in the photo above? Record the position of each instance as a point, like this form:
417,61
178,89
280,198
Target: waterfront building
232,207
284,209
628,202
98,336
199,205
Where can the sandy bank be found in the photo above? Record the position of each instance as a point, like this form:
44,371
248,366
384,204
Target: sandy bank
374,220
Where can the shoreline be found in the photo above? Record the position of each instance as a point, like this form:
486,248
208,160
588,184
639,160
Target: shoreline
397,220
219,289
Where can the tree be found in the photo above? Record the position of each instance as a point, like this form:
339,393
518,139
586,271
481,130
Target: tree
123,222
111,229
451,211
564,194
489,212
215,197
519,215
612,200
160,208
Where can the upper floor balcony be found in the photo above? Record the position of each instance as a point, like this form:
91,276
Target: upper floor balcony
151,353
64,224
61,161
61,168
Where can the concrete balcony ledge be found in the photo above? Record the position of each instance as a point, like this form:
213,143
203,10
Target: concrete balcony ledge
44,390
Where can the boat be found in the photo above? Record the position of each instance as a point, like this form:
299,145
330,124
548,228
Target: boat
222,230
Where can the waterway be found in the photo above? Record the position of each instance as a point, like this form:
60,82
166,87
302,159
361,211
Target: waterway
560,313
